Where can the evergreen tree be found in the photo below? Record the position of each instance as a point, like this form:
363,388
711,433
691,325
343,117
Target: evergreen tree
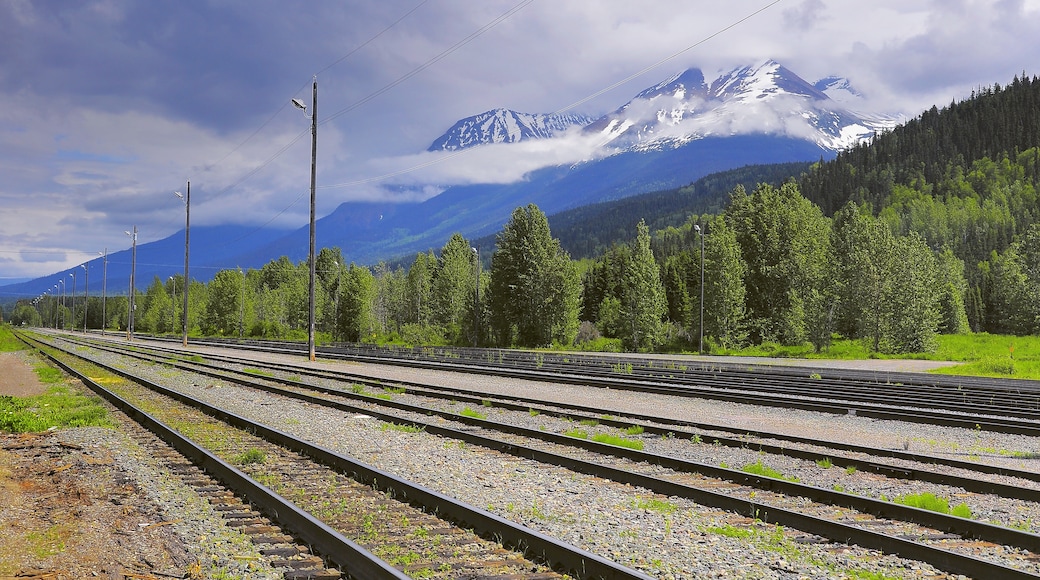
784,241
454,285
535,288
420,288
643,303
724,291
223,307
357,321
952,288
912,304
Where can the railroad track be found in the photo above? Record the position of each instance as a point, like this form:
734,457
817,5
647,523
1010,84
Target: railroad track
695,482
335,498
1005,406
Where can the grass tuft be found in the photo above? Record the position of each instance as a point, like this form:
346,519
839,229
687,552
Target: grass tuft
59,407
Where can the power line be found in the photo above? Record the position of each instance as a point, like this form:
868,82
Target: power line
580,102
501,18
430,62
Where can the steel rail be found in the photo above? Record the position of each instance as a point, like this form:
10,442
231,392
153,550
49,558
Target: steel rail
834,530
750,396
359,562
558,554
463,395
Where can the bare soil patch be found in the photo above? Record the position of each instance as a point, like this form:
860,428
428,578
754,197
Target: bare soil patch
68,512
17,378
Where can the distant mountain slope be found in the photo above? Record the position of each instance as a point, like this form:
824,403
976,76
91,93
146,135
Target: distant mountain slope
667,136
505,126
370,232
997,121
764,98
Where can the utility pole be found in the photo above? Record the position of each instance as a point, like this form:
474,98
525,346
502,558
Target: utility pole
314,164
314,175
133,268
187,229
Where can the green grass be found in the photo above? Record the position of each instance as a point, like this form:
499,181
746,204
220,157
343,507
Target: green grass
634,430
928,501
59,407
409,428
467,412
655,505
577,433
758,468
618,441
982,354
257,372
253,456
8,343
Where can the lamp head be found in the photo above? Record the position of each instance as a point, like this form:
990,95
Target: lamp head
299,105
696,228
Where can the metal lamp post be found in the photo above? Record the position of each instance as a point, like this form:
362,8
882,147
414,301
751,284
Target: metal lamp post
104,298
187,229
133,268
86,279
314,159
700,343
62,282
73,293
476,300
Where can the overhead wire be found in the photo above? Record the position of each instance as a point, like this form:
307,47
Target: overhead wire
370,97
453,155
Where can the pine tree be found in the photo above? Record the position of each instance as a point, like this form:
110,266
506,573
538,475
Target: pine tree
724,291
535,288
453,285
643,303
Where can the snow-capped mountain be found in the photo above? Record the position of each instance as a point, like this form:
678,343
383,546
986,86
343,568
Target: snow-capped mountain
505,126
762,99
766,98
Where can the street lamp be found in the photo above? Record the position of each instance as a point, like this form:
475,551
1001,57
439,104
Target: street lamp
476,309
173,303
86,279
700,343
314,158
62,282
73,275
187,229
104,288
133,268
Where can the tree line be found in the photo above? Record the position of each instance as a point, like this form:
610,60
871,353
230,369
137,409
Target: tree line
774,269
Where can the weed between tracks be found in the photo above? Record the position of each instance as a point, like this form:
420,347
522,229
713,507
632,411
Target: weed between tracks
773,539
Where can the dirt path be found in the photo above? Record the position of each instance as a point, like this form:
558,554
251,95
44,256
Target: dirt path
17,377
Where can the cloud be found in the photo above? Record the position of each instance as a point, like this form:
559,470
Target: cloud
110,105
805,15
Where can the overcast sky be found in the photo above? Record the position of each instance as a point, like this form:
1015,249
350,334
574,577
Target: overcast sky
109,106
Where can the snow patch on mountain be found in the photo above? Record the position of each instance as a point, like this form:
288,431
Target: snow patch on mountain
765,98
505,126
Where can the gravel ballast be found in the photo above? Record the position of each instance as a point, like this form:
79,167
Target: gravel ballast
666,537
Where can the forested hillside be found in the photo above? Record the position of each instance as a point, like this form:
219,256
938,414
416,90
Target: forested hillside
965,179
935,148
591,230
